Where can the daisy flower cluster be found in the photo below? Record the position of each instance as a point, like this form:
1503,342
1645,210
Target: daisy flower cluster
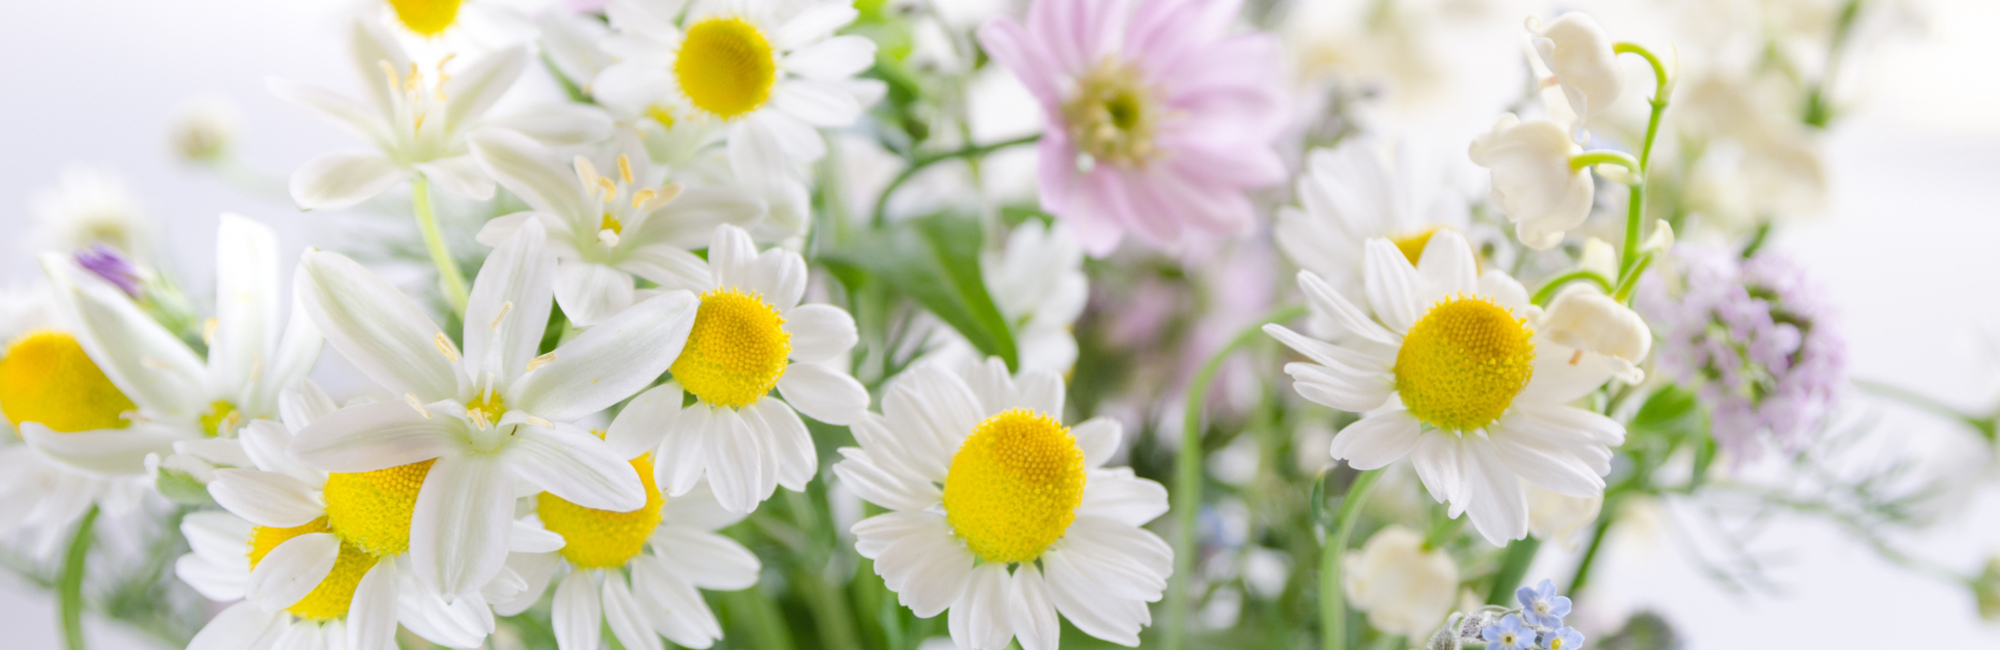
611,351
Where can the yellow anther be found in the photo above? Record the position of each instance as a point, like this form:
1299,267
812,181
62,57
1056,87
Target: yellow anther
335,592
610,189
46,377
1462,363
660,114
485,410
221,419
540,361
372,510
390,70
444,345
595,538
411,399
208,328
736,352
639,198
625,168
1014,485
726,67
501,314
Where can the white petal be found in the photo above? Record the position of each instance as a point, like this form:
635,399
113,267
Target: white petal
1494,497
671,268
688,620
498,229
292,570
644,422
683,455
1447,264
1377,440
528,539
1119,495
509,307
979,618
297,353
109,453
590,292
243,626
355,116
756,155
1099,439
340,180
575,466
267,498
621,611
474,89
1436,459
1349,318
823,393
706,559
820,332
868,480
530,171
458,530
145,361
1032,612
577,617
383,333
737,462
816,104
371,617
372,436
562,124
610,361
834,58
246,301
816,21
1393,286
790,442
1112,619
917,557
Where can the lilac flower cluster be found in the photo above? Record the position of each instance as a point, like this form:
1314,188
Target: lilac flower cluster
1755,339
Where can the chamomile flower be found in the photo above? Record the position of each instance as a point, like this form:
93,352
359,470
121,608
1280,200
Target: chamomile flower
607,228
639,571
114,386
751,336
762,74
1001,513
417,120
1361,190
482,420
1454,372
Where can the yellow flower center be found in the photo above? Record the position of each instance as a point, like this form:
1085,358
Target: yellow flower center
612,224
222,419
595,538
660,114
737,350
333,595
1413,244
1463,363
726,67
1112,115
486,409
46,377
1014,486
427,17
371,510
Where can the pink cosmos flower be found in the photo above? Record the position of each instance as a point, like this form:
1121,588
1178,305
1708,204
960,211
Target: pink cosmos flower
1157,120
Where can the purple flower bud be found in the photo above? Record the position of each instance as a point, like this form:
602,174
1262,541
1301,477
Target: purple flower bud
111,265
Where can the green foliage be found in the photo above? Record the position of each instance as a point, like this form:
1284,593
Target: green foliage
934,261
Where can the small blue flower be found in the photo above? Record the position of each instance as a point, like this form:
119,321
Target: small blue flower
1541,606
1564,639
1508,634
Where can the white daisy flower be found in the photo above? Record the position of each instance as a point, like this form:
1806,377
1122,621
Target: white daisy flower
1455,372
751,336
606,229
764,74
417,121
326,553
496,414
89,206
1361,190
1002,514
114,386
639,571
465,26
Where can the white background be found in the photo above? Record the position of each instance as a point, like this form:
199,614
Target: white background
1908,252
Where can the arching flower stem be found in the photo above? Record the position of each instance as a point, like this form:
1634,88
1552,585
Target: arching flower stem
1332,598
449,277
921,163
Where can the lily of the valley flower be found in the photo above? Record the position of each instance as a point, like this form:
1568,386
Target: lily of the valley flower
1580,60
1582,317
417,120
1534,183
491,416
607,228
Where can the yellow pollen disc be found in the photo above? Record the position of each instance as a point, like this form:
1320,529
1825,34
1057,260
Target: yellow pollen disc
1111,116
737,350
1413,244
611,223
726,67
595,538
1463,363
372,510
330,599
46,377
427,17
1013,487
221,419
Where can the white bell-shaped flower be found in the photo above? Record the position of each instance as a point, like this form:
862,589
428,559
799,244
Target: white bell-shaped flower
1533,181
1579,57
1598,325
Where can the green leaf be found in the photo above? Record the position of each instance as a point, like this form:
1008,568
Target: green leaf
934,261
1668,410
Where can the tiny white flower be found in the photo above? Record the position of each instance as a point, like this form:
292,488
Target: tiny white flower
205,129
482,420
1003,515
417,120
1579,57
1405,587
1533,181
1582,317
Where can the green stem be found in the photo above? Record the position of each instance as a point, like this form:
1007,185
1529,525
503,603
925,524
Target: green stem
1628,255
1513,565
449,276
1548,291
1187,474
1605,157
828,605
1631,281
1581,578
921,163
1986,426
1663,85
1332,599
69,587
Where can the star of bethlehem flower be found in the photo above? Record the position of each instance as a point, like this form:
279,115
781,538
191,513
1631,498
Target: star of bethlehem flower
313,554
1361,190
113,386
752,336
638,571
1155,119
607,228
417,119
761,76
486,418
1001,513
1404,586
1455,371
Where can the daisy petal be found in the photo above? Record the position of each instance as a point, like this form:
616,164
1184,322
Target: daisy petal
621,612
839,57
790,442
688,621
246,300
823,393
243,626
816,104
815,22
705,559
678,472
1393,286
737,458
820,332
1119,495
979,618
371,618
458,538
576,466
1032,613
578,619
1099,439
291,571
644,421
372,436
1377,440
107,453
267,498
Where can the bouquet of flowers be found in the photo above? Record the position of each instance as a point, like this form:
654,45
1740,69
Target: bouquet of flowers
755,324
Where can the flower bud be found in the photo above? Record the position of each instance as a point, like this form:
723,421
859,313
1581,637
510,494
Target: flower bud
204,130
1579,56
1533,182
1599,257
1582,317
